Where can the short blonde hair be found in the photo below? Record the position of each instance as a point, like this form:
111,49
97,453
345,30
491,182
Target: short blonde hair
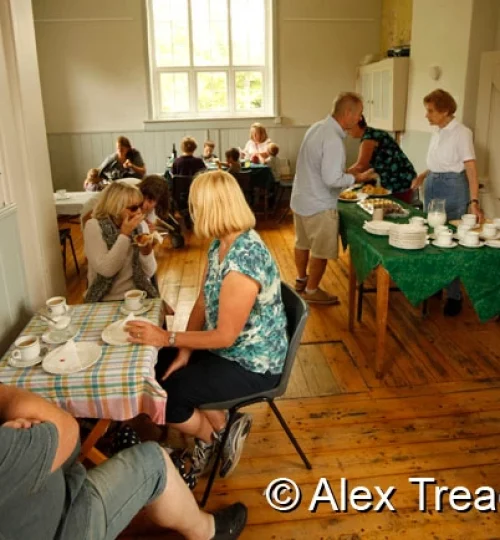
346,101
218,206
188,145
273,149
259,130
114,199
442,100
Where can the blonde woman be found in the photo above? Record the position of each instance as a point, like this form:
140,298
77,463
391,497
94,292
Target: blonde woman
256,147
235,342
115,264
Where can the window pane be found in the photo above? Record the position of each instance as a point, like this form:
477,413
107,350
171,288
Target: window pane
171,32
249,93
174,92
210,32
248,32
212,91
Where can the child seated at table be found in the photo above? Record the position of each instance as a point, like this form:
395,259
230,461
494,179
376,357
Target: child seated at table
188,164
273,161
208,152
93,182
233,161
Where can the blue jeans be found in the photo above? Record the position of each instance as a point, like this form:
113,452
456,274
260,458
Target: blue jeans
121,486
454,189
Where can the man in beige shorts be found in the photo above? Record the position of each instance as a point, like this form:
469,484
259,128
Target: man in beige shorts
319,179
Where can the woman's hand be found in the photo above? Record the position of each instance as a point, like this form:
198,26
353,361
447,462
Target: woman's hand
181,360
128,164
417,182
21,423
370,174
130,222
475,209
144,333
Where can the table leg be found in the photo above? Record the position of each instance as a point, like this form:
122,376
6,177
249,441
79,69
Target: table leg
383,283
352,293
88,451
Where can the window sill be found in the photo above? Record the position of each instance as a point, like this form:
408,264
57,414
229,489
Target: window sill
207,123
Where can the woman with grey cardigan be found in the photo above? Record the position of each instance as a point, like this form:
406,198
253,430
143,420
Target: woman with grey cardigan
115,263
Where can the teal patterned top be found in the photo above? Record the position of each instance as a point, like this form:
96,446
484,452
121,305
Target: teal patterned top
262,344
389,161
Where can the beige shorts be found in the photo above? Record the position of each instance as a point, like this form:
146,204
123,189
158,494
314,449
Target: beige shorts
318,233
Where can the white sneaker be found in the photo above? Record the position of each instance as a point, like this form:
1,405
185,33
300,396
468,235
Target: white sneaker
234,444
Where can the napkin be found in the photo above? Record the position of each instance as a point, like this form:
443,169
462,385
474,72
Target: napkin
68,357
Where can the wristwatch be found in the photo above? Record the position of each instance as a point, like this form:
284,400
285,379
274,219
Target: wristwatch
171,339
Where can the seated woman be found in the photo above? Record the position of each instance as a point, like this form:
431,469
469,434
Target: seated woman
235,342
124,163
115,263
379,151
256,147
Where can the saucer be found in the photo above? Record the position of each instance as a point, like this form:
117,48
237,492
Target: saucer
481,244
21,364
115,335
62,197
443,246
144,309
493,244
496,237
58,337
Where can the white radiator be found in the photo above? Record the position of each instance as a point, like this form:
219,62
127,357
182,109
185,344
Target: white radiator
14,308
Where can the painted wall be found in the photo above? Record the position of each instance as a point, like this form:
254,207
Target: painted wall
396,23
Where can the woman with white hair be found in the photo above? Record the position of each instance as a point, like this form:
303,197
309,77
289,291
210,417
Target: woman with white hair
235,342
115,263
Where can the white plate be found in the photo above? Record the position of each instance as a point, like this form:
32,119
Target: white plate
62,197
115,335
58,337
144,309
88,352
437,244
493,244
359,197
21,364
480,245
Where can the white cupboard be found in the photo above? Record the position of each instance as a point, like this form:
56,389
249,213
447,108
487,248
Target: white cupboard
384,87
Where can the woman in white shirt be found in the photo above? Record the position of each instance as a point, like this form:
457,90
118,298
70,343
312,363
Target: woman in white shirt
115,263
256,146
451,172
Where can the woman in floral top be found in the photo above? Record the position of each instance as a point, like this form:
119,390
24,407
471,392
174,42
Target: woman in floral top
379,151
235,342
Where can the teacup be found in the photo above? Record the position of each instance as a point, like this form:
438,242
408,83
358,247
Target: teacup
61,193
471,238
134,299
438,229
378,214
462,230
489,230
27,348
56,305
469,219
496,222
445,238
417,220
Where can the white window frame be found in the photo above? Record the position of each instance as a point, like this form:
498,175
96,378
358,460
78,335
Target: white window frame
268,75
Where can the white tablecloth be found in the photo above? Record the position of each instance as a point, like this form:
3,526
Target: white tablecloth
73,204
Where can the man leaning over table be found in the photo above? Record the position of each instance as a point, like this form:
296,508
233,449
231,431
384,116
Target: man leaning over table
46,494
319,179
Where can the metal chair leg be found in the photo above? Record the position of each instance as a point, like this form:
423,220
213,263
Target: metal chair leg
74,254
218,457
63,244
293,440
360,302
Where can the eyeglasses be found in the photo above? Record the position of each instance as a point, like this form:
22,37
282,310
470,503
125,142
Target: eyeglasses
134,207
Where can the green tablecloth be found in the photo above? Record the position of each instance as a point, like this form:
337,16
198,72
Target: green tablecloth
421,273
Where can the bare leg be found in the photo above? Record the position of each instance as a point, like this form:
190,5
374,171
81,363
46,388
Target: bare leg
301,260
197,426
176,508
316,270
217,419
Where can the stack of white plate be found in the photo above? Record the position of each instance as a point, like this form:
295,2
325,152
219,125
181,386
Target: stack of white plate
408,236
380,228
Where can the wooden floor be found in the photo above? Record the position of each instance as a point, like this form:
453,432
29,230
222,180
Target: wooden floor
435,414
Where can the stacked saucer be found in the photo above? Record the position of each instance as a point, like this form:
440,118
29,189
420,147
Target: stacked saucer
380,228
408,236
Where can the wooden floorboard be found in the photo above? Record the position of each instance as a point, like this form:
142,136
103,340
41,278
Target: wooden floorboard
436,413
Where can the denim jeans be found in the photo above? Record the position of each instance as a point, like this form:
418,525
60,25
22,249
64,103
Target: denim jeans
454,189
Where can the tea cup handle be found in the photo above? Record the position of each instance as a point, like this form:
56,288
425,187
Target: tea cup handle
144,295
16,354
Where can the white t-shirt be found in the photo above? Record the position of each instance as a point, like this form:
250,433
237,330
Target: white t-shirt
449,148
251,147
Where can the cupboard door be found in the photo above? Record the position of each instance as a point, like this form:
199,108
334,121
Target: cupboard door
366,92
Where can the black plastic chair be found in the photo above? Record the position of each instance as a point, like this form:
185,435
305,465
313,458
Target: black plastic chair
64,236
244,180
297,313
284,185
